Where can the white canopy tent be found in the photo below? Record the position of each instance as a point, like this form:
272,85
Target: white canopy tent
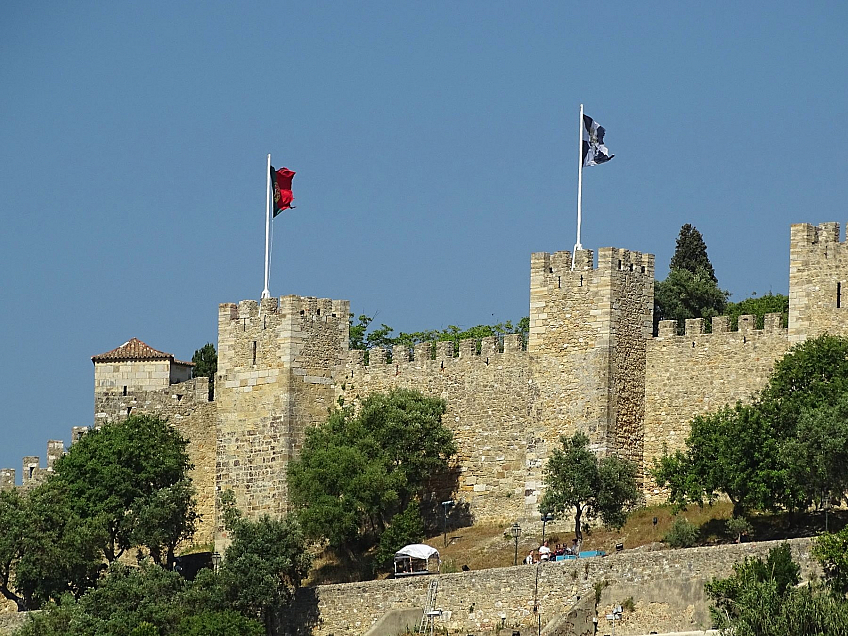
417,558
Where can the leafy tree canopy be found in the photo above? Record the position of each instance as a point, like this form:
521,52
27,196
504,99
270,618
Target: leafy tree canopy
691,288
759,307
45,549
361,338
590,488
360,468
144,601
264,564
131,478
786,450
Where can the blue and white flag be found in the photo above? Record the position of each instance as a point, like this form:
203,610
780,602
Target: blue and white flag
594,150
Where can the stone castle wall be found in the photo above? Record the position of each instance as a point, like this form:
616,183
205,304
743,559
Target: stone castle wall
590,365
483,601
489,400
700,373
818,274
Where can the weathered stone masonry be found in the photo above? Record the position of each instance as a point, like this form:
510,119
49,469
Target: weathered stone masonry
591,364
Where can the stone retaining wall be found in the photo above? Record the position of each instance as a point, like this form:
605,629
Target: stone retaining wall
485,600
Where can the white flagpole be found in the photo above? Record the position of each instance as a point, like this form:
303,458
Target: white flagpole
265,292
577,245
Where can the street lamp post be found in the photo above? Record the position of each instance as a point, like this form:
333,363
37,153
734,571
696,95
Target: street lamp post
216,561
515,531
445,506
545,518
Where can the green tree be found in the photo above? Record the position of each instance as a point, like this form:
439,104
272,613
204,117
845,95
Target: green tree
119,474
684,294
590,488
690,253
362,467
45,549
759,307
205,362
831,551
817,456
406,527
144,600
781,452
761,598
264,565
691,288
733,452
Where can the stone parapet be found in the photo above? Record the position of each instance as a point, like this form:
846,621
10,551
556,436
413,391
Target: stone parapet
487,600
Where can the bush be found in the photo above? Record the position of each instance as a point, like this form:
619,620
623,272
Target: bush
738,526
683,534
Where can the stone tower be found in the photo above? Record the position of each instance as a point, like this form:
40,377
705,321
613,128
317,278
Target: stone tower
818,273
277,367
588,329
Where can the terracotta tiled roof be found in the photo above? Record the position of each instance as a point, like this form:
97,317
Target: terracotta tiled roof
135,349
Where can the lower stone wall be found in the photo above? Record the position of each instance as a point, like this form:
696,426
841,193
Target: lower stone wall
666,582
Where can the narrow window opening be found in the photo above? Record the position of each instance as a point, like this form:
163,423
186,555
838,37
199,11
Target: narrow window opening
643,269
31,471
693,345
301,312
244,324
125,390
264,321
619,263
129,410
254,352
559,282
631,267
838,295
317,312
551,270
581,280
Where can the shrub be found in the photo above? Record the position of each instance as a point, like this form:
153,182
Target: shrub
737,526
683,534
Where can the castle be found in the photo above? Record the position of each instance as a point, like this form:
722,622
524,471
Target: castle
591,363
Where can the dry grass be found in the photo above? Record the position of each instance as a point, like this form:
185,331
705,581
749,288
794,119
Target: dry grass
491,546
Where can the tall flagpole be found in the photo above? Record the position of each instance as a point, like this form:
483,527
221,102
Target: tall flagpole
265,292
577,245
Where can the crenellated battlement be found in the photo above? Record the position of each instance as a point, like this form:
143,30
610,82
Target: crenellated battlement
434,356
557,267
720,326
808,235
33,473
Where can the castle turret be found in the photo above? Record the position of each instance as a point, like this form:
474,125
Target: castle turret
277,370
131,369
588,328
818,272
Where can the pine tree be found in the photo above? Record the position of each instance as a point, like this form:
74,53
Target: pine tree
691,253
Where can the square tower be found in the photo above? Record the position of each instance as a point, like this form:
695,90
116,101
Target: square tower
278,363
588,329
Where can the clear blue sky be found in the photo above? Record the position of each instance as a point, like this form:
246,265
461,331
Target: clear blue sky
435,149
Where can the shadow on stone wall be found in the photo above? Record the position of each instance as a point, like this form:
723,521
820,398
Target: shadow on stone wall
440,488
302,617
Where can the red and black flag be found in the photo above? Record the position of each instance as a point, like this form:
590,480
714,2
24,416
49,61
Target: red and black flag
281,183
